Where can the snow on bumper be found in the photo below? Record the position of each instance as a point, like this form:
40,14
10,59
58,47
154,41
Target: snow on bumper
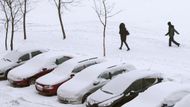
69,100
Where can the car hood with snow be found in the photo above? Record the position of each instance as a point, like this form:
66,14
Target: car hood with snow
171,93
35,65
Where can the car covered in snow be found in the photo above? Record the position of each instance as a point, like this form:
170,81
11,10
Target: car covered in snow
16,58
90,80
123,88
48,84
38,66
165,94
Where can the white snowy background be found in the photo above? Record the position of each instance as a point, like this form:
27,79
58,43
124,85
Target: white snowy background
146,21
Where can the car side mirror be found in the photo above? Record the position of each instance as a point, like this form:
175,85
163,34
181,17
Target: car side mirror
133,92
72,75
44,69
96,82
19,61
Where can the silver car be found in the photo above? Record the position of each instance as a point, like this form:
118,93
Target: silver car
15,58
91,79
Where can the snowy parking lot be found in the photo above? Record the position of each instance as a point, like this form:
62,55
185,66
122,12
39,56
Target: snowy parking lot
26,97
146,21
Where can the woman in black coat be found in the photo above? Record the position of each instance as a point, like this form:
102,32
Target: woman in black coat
123,35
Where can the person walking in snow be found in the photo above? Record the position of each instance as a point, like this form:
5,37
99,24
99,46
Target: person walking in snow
171,33
123,35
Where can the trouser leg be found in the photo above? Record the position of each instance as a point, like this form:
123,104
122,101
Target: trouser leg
127,45
170,41
175,42
121,45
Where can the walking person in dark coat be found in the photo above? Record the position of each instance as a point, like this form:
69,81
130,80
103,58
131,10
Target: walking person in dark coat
123,35
171,33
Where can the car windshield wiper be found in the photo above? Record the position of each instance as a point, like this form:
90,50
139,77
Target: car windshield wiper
5,59
107,91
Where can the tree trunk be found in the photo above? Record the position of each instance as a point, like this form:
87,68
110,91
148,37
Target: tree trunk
6,34
61,23
104,41
60,19
24,20
12,34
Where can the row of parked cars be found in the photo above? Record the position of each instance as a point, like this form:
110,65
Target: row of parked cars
94,81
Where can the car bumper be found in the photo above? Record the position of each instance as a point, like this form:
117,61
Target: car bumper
21,83
45,91
91,105
69,100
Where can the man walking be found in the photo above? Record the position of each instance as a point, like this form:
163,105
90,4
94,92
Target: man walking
171,33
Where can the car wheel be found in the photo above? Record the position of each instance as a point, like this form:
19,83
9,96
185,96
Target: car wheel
32,81
84,97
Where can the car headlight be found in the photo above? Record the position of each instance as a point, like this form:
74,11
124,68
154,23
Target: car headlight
48,87
19,79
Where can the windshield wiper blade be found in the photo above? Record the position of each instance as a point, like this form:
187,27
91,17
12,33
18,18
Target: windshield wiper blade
107,91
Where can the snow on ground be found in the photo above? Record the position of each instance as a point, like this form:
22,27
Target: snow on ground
146,21
26,97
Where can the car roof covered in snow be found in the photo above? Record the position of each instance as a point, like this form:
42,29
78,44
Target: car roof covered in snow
91,74
166,92
15,54
31,67
125,80
64,70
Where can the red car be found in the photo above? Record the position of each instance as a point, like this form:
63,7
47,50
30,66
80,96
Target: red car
27,73
48,84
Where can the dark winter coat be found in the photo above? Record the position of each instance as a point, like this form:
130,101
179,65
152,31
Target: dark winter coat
171,31
123,33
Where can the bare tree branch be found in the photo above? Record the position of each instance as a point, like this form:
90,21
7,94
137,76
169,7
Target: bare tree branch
104,11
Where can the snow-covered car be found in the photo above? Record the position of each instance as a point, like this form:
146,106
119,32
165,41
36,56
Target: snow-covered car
184,102
16,58
48,84
123,88
38,66
90,80
165,94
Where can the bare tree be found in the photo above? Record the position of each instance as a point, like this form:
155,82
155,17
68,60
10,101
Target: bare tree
15,17
59,5
24,10
5,20
104,10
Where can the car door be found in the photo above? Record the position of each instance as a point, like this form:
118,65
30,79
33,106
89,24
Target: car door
148,82
130,93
